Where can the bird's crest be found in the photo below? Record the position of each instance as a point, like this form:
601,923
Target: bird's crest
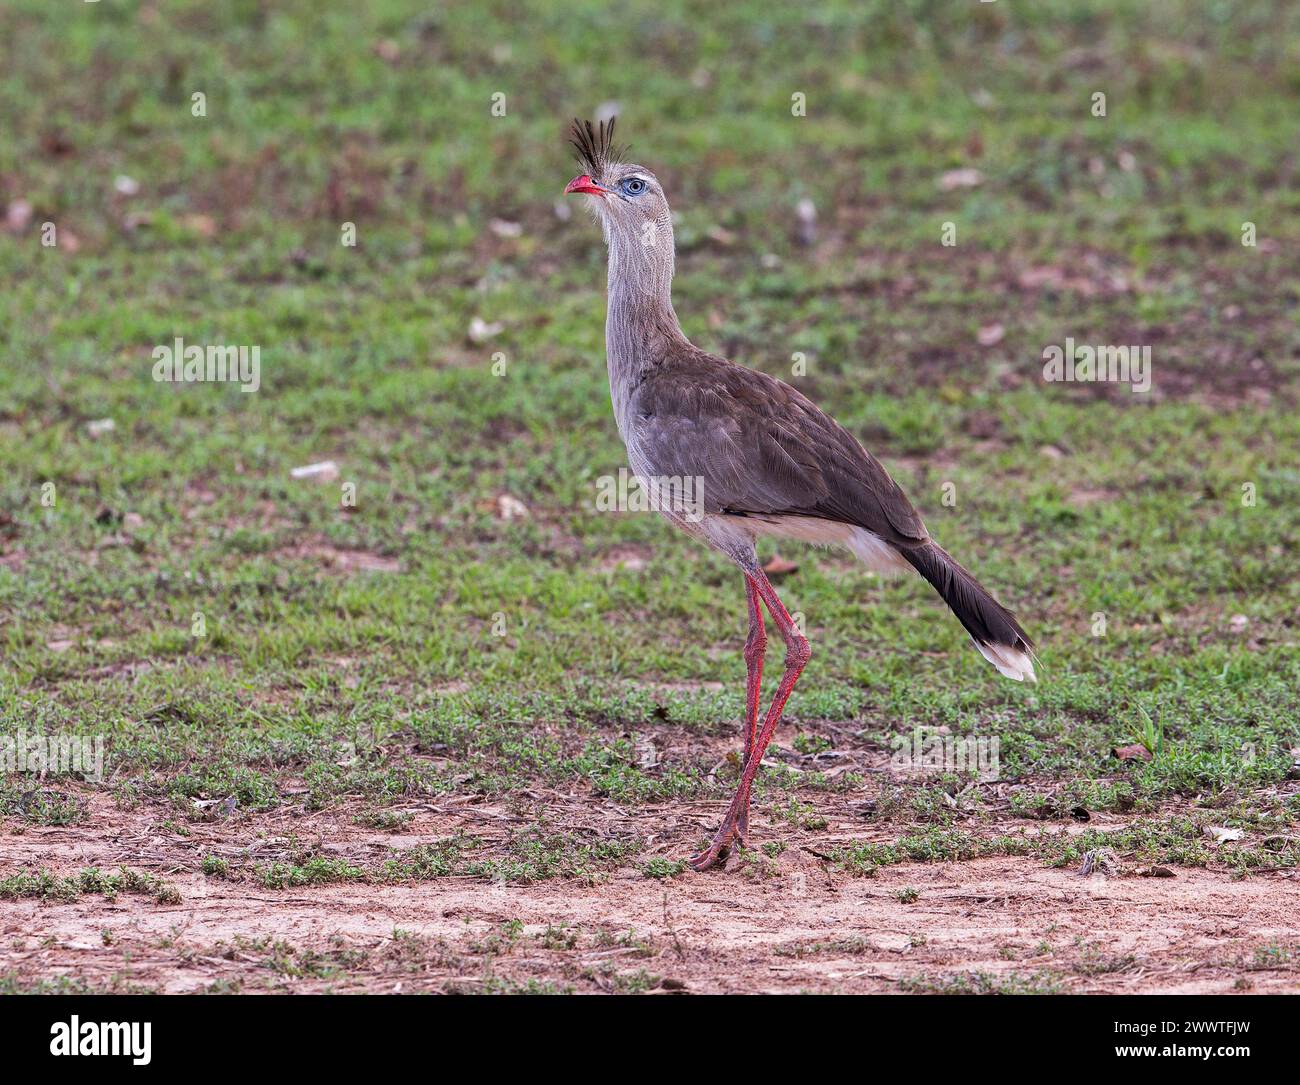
595,146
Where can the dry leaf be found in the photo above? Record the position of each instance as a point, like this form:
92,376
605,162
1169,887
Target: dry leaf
647,754
778,566
1221,835
1100,860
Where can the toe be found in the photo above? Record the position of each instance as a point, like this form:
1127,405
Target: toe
727,840
705,860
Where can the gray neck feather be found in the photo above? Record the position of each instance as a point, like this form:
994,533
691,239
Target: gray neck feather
641,327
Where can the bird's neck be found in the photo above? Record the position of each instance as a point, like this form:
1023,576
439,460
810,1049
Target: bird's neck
641,327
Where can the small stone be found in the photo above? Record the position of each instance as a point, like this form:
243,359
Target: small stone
510,507
962,178
806,212
324,471
480,330
18,215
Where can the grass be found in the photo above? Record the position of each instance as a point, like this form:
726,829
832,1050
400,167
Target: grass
528,856
984,983
41,807
239,634
44,885
1180,841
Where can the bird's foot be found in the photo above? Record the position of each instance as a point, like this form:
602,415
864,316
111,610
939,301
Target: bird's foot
727,841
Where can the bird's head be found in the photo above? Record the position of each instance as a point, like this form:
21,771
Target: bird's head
625,197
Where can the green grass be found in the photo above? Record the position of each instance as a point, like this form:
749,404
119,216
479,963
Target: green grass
1176,840
44,885
983,983
41,807
417,645
527,856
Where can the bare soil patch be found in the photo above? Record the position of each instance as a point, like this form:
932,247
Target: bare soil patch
789,923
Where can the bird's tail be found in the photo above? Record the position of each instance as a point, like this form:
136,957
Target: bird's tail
992,627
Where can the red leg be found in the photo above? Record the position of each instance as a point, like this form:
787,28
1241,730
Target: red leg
755,646
797,651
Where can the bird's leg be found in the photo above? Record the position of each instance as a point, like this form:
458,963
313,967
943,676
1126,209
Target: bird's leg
755,646
797,651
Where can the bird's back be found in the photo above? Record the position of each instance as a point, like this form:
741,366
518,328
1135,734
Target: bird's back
760,448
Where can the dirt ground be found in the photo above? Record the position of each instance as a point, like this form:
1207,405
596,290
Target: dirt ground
996,924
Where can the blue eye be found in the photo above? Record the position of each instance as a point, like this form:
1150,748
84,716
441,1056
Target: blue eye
633,186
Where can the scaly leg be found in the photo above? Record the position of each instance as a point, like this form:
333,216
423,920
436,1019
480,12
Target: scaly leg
755,646
797,651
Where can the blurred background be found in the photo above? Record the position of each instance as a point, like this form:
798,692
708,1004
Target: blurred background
471,597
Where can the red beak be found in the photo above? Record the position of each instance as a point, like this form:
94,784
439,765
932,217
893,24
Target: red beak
583,183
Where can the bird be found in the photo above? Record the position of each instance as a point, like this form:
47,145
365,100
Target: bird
730,454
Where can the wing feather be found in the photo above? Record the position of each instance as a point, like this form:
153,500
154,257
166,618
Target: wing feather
763,448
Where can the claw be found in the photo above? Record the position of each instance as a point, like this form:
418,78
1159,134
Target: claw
726,842
706,860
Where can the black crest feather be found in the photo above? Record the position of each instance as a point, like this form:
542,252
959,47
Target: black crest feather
595,145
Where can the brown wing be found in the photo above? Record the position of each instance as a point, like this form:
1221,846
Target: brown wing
763,448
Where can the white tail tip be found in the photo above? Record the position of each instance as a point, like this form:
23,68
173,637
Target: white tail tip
1012,662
